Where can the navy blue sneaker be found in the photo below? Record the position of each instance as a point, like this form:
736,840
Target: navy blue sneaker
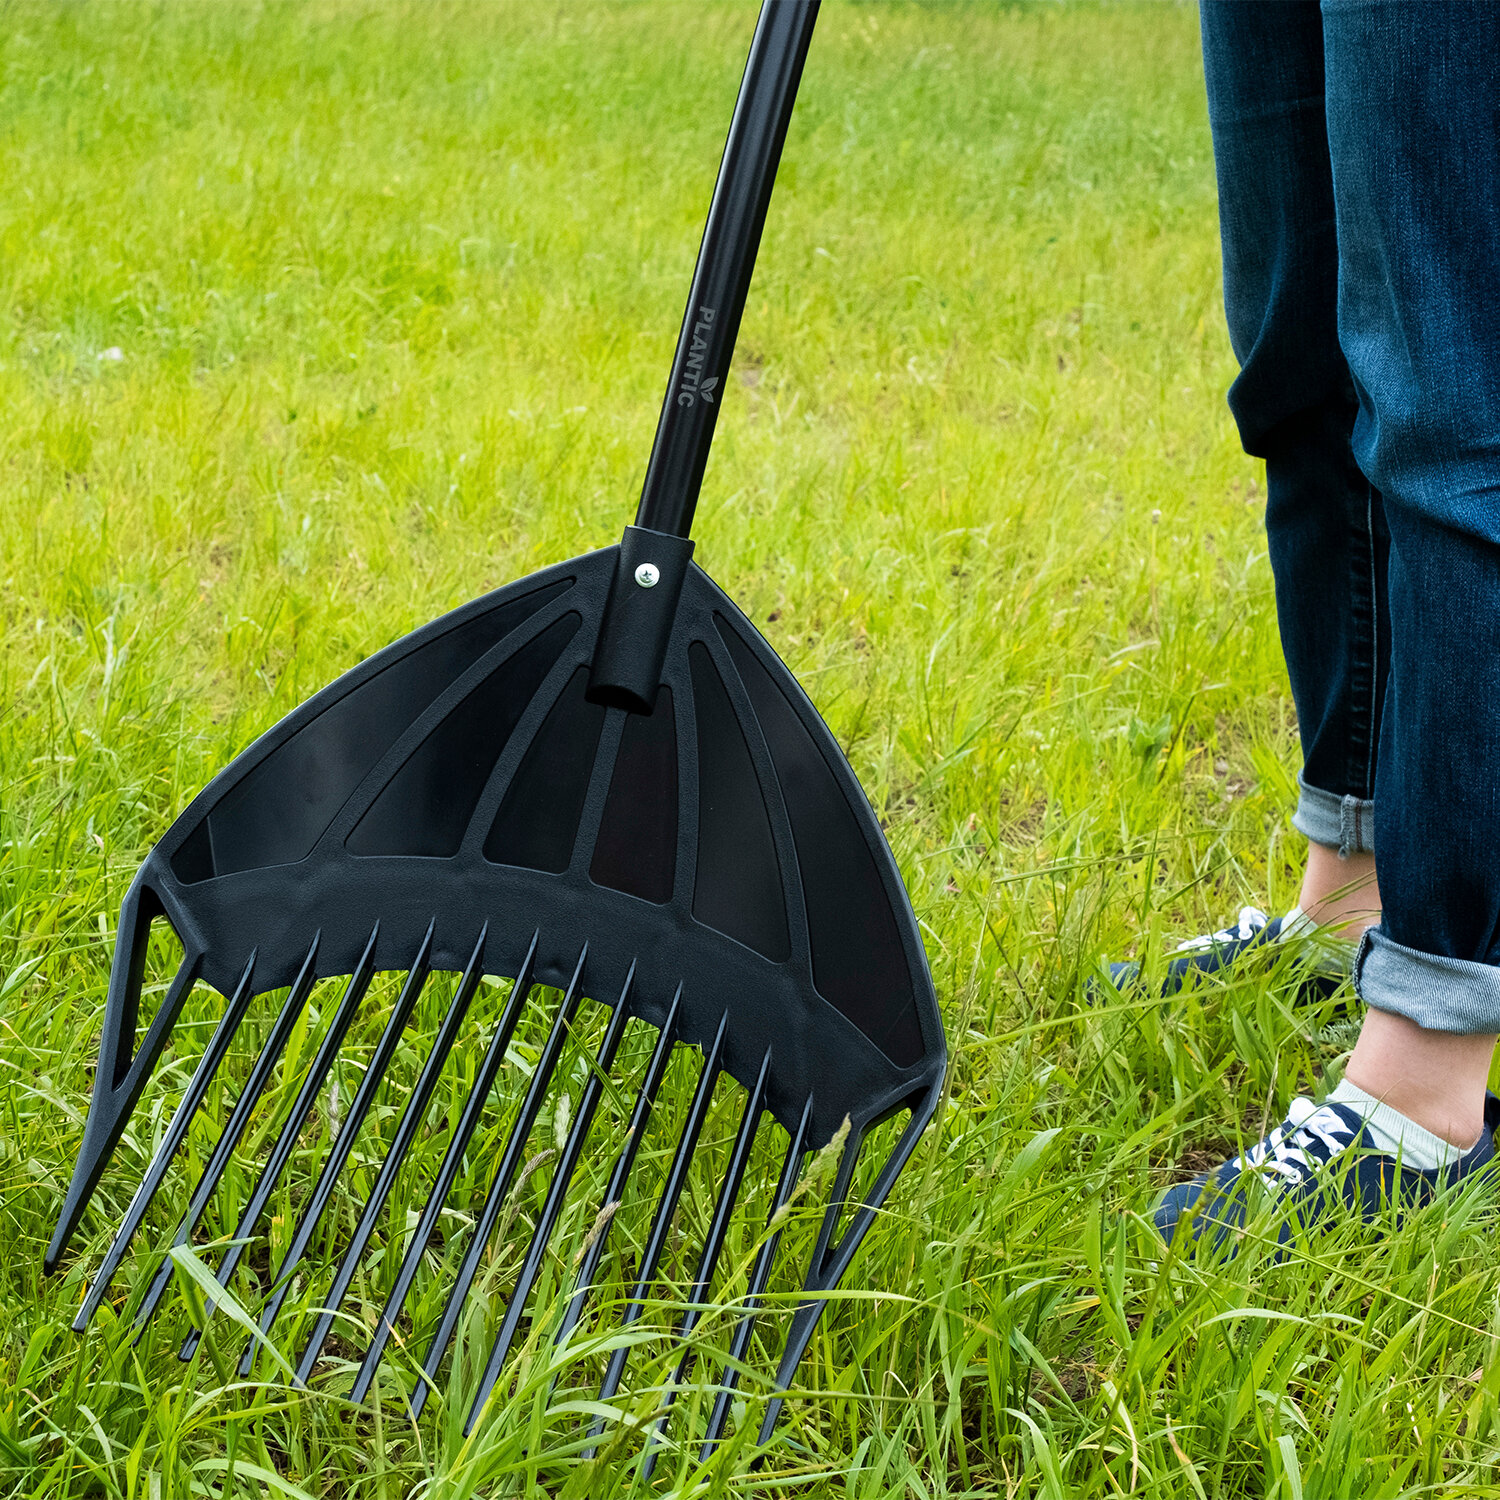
1327,961
1316,1160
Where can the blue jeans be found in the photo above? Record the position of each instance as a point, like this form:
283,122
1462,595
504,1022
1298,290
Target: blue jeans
1357,148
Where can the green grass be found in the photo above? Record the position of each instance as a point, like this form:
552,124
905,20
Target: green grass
393,289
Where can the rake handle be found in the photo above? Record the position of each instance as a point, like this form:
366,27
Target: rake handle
726,261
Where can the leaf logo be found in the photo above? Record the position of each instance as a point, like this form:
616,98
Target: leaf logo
706,388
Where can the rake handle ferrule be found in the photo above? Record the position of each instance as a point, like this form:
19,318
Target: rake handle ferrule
638,619
726,261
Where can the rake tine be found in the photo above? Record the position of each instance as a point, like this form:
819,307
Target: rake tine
661,1226
182,1118
713,1245
281,1153
640,1117
497,1197
406,1133
457,1146
364,1096
239,1118
557,1194
760,1274
819,1279
829,1261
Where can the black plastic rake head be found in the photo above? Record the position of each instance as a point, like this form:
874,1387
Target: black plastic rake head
601,784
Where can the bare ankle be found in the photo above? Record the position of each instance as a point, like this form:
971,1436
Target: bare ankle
1436,1078
1341,895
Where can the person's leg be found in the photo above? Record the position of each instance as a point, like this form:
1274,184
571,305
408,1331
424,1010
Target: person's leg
1414,134
1295,405
1412,114
1340,892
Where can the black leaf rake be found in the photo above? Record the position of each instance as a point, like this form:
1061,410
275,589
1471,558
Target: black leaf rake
600,786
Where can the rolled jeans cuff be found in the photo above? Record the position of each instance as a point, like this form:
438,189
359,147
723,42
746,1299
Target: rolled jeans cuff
1343,823
1439,994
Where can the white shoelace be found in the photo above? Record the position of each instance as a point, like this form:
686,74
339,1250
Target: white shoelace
1333,954
1309,1138
1251,920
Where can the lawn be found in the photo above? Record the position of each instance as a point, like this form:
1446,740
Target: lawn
318,319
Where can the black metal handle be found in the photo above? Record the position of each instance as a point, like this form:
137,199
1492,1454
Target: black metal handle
726,260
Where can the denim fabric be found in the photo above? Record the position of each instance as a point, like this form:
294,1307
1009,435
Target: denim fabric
1358,153
1344,823
1294,400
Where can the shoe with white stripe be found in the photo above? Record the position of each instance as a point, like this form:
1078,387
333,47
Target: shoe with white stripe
1328,961
1318,1162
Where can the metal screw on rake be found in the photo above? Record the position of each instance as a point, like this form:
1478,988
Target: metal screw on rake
599,780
